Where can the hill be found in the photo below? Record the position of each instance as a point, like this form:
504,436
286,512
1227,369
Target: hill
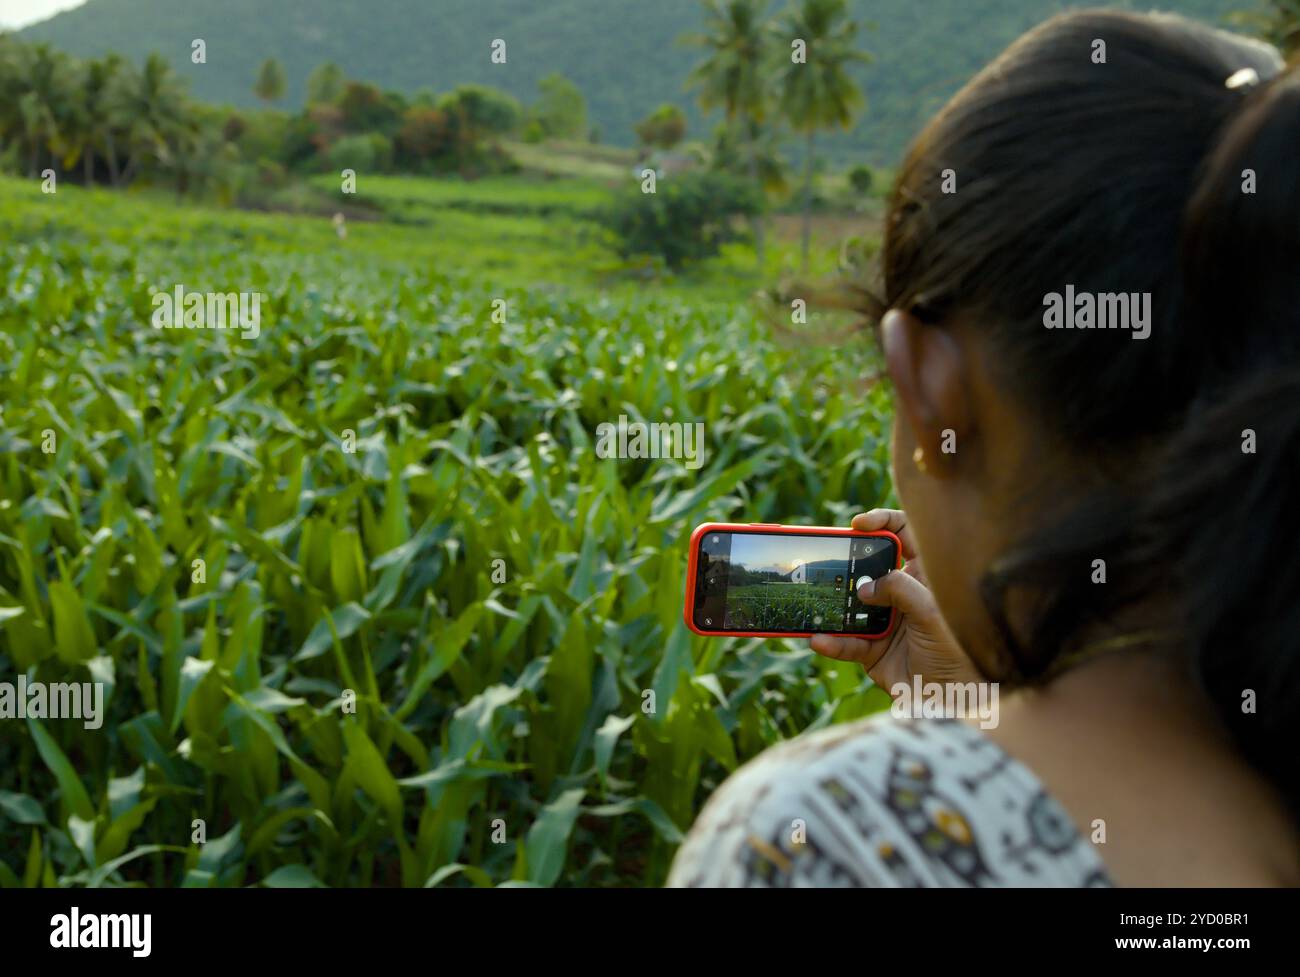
622,53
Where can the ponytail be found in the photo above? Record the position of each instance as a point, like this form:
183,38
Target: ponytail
1222,526
1223,512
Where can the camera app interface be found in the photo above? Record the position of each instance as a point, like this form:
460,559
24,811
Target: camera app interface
777,582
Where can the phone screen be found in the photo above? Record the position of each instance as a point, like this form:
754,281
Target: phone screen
789,582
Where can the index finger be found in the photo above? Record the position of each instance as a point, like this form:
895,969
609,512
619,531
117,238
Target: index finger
866,653
894,520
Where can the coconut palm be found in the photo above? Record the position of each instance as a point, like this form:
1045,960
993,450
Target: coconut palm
203,160
148,106
271,82
732,75
13,81
818,92
97,130
42,117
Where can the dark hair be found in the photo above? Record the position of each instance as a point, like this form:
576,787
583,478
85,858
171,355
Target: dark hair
1127,176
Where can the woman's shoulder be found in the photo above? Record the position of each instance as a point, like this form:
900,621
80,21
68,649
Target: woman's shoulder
886,802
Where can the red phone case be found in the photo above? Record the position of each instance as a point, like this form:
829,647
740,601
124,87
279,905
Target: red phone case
755,527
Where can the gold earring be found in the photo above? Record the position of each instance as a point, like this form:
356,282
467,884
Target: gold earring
918,459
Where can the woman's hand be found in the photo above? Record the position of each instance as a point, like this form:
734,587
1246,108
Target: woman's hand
921,643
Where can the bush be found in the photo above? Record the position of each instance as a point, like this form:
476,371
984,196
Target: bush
860,178
270,173
533,132
425,135
479,110
366,108
372,153
688,218
663,128
561,111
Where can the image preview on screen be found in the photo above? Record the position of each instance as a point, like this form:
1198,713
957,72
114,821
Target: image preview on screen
796,582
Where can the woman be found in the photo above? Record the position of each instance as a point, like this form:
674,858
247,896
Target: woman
1100,520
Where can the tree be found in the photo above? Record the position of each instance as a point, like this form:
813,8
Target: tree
731,150
861,178
816,91
663,128
476,112
271,83
561,111
202,158
367,108
150,109
732,77
98,130
325,83
425,135
46,115
688,219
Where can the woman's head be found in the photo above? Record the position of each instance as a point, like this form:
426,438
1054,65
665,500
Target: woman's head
1122,167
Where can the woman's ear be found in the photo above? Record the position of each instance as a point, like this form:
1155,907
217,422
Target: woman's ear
929,368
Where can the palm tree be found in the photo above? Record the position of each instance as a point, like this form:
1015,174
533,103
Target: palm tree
732,75
149,108
97,83
203,160
732,150
45,107
325,83
270,83
818,93
13,82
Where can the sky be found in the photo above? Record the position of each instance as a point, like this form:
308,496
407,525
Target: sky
759,550
20,13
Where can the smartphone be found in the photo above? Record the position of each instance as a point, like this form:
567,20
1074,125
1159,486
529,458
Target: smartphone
772,581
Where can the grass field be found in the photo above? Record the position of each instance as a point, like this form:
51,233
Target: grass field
790,607
367,606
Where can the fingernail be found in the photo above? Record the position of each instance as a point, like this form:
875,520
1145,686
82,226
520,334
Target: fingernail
866,590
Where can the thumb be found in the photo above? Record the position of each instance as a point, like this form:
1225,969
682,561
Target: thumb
903,591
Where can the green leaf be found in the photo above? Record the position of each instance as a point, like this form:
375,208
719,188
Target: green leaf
20,808
476,875
74,793
548,838
372,773
292,877
193,671
447,646
607,738
347,619
74,639
83,837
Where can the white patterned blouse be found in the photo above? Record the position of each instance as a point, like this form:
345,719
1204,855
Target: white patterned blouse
886,803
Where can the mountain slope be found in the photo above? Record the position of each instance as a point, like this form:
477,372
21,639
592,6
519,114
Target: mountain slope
622,53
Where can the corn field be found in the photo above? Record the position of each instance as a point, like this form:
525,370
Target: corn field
366,606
